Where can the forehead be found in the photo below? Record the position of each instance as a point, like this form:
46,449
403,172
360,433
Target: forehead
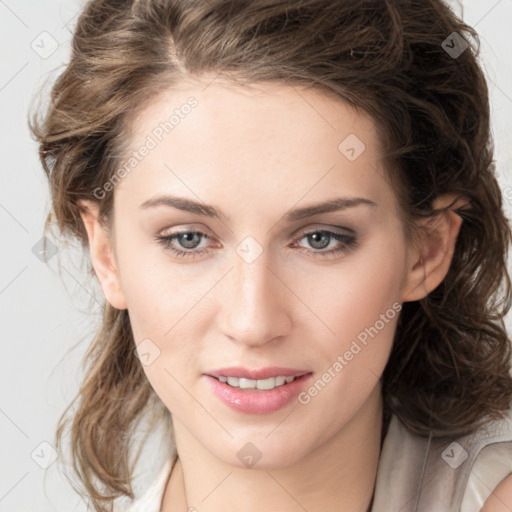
255,112
219,139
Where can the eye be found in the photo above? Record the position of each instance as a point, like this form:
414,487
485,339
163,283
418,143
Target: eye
189,240
188,243
320,239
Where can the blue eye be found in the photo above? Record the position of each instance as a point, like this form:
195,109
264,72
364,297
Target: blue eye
187,239
321,239
187,243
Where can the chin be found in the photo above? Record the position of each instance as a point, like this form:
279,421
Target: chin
256,452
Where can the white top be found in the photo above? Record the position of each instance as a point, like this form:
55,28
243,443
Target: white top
415,475
151,500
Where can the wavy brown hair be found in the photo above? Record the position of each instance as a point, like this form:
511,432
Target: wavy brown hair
449,370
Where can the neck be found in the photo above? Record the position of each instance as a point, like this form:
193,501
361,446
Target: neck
339,475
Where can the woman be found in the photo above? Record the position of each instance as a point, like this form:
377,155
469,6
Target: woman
292,212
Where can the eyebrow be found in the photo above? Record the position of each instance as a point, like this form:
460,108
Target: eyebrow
199,208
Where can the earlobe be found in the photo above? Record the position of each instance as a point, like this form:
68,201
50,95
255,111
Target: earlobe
432,254
102,255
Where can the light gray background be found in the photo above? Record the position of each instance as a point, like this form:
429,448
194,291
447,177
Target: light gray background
43,315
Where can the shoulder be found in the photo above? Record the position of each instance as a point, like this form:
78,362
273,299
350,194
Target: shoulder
464,474
489,487
500,499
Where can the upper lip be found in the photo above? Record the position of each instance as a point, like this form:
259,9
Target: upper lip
259,374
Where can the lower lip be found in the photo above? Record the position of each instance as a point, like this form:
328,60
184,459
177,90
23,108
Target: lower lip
255,401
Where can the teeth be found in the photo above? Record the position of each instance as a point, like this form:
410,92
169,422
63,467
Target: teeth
246,383
233,381
263,384
269,383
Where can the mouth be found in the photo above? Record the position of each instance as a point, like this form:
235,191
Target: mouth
257,391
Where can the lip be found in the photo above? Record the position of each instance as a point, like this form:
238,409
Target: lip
252,401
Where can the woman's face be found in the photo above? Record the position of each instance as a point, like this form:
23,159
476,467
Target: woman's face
274,283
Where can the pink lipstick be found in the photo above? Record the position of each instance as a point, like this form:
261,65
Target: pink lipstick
261,391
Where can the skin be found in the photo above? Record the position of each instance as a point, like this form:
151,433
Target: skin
500,500
256,153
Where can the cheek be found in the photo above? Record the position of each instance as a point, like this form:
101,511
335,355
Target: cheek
164,309
361,304
161,301
360,300
158,292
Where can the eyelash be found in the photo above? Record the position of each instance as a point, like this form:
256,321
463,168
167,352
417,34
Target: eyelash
349,243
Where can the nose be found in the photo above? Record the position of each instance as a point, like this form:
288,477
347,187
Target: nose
255,303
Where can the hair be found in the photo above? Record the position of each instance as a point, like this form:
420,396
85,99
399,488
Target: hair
449,368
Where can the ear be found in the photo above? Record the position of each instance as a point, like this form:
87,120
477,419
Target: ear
431,254
102,254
